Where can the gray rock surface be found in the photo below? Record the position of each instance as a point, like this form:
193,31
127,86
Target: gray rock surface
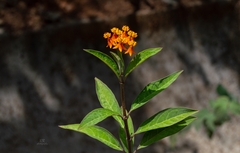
46,79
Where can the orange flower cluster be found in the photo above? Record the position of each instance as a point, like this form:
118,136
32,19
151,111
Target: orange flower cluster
123,40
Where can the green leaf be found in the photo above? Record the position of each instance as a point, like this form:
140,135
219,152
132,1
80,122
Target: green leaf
153,89
234,107
119,120
122,134
155,135
98,133
130,126
210,122
220,104
141,57
108,100
202,116
222,91
119,62
106,97
165,118
224,106
221,109
106,59
96,116
206,119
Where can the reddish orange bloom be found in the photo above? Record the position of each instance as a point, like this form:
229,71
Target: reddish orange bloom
107,35
123,40
131,44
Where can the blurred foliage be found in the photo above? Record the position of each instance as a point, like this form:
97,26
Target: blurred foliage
218,111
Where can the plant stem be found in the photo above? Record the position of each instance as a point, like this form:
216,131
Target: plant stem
125,116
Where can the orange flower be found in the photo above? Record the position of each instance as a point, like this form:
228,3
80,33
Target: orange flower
130,50
123,40
107,35
131,44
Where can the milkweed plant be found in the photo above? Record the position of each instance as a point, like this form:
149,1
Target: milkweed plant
163,124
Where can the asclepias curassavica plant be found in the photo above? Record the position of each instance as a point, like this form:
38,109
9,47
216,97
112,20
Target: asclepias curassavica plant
163,124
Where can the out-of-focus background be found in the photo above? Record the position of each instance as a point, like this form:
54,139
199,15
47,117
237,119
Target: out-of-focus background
46,79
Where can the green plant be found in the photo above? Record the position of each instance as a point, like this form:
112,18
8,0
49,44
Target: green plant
218,111
164,123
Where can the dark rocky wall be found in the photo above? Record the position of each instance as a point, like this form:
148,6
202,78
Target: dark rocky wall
46,79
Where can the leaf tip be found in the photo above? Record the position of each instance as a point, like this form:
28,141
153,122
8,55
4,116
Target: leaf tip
160,48
61,126
85,50
179,72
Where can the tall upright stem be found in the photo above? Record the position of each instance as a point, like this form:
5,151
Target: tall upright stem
125,116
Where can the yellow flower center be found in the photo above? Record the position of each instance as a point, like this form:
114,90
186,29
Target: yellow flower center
125,28
107,35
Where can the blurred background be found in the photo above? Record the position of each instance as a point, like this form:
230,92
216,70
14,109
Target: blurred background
46,79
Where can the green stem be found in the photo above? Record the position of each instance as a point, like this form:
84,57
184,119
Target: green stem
125,116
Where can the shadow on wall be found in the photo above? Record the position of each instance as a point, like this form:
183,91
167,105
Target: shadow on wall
47,80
